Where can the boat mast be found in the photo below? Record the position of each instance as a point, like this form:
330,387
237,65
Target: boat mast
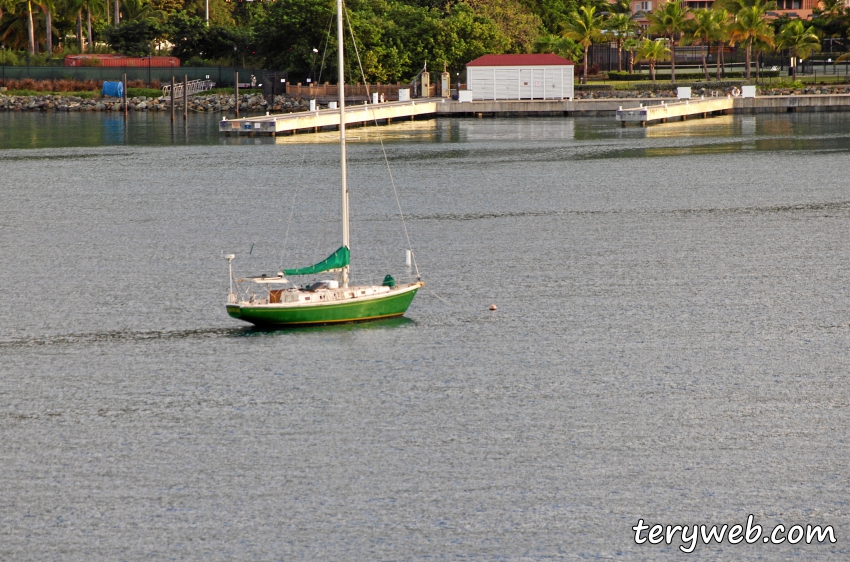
342,135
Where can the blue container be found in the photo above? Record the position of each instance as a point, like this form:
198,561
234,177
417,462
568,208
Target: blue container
112,90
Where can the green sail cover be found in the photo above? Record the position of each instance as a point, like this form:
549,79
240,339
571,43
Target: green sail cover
336,260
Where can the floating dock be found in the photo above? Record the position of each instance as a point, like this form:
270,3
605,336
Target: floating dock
681,109
315,121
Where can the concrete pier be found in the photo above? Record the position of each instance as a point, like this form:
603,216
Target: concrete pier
313,121
641,110
681,109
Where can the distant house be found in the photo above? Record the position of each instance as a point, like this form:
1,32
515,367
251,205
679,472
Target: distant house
517,77
791,8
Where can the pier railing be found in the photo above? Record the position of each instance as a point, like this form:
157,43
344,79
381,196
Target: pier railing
331,91
194,87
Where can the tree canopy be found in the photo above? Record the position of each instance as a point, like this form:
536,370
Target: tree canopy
395,39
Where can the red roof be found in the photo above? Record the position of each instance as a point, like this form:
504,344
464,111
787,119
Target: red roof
547,59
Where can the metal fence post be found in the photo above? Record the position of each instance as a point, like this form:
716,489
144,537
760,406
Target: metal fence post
185,96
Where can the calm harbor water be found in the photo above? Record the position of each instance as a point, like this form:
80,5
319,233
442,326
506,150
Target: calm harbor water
671,341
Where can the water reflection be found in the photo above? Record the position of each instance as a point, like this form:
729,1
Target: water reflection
585,137
722,125
90,129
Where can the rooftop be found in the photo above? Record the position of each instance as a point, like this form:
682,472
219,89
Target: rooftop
546,59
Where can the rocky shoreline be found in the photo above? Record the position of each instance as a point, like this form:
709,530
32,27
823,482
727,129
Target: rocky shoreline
255,103
251,103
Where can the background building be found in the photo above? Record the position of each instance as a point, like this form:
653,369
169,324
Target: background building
515,77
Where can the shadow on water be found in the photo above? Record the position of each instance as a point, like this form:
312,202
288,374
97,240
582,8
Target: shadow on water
234,332
387,323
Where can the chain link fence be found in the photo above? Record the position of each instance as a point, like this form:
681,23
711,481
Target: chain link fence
223,76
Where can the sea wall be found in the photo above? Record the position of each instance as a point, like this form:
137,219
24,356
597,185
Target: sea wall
597,103
251,103
666,92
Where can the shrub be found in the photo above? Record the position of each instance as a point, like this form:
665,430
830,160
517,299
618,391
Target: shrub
624,75
722,85
8,57
146,92
787,85
62,85
593,87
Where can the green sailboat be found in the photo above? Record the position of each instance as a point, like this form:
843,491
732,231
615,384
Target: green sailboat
274,301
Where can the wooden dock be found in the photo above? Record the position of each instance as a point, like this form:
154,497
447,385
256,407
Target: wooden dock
315,121
681,109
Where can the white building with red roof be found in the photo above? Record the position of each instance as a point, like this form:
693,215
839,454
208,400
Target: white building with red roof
518,77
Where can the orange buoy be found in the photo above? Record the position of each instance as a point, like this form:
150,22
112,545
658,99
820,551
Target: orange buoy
493,307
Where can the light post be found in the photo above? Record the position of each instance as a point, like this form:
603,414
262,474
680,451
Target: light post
235,82
4,65
207,12
313,63
458,85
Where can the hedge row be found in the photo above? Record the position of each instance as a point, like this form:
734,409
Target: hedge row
695,86
593,87
624,76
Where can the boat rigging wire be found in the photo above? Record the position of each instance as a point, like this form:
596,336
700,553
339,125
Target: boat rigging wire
325,51
294,200
381,139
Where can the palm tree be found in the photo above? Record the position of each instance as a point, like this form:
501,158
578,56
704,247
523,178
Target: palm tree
17,6
48,7
18,26
624,7
584,27
799,39
751,25
631,44
703,29
74,9
722,20
653,51
97,9
561,46
670,21
621,25
137,10
30,28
